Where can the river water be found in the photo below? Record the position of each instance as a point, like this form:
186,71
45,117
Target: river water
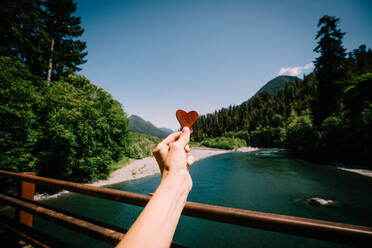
265,180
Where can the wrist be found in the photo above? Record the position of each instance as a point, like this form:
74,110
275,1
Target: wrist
179,180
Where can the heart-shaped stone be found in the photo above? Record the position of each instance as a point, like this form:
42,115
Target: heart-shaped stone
186,119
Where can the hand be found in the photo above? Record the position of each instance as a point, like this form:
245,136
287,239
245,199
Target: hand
172,158
157,222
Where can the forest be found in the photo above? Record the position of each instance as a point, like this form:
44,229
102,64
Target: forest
58,124
325,117
54,121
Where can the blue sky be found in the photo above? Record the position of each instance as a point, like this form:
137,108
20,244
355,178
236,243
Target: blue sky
158,56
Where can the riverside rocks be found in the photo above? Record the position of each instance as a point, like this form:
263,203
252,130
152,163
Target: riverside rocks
316,201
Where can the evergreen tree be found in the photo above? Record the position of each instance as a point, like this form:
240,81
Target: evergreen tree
361,59
329,67
42,34
21,32
64,53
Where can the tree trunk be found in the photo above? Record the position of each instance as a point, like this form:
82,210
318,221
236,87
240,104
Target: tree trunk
50,65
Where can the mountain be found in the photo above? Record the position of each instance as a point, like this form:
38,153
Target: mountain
139,125
274,85
261,112
166,130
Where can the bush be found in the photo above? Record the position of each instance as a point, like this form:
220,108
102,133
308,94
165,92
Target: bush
366,130
242,134
141,145
267,136
302,137
224,142
333,137
69,129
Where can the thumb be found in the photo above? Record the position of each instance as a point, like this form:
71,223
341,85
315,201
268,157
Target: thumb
184,137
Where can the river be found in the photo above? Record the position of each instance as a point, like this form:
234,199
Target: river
266,180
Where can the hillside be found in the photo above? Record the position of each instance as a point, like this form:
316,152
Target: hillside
139,125
166,130
262,110
274,85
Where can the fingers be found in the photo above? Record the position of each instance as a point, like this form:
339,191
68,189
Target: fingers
189,160
165,142
184,138
159,147
187,148
171,138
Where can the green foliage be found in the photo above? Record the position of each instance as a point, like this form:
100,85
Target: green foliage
43,34
261,110
141,145
70,129
85,130
333,136
19,126
62,28
329,67
244,135
195,144
357,95
359,61
139,125
338,92
302,137
366,131
119,164
278,83
224,143
267,136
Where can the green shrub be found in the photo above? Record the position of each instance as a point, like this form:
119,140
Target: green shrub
302,137
224,142
267,136
69,129
119,164
141,145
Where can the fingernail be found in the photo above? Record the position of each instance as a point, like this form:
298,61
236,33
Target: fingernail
186,129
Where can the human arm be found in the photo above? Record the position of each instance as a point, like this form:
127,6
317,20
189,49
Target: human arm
157,222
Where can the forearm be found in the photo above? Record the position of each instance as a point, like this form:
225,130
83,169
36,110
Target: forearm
157,223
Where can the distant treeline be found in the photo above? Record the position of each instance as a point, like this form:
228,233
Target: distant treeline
327,116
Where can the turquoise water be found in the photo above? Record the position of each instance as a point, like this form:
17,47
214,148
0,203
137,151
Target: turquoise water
265,180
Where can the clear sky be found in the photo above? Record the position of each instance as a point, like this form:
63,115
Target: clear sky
158,56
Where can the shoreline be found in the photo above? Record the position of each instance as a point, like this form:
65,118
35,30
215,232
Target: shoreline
140,168
148,166
363,172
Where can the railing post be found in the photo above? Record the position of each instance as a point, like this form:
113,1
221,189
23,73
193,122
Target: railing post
25,190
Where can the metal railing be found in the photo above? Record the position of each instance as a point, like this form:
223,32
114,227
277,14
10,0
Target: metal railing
318,229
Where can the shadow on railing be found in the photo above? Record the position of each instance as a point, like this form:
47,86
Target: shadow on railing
318,229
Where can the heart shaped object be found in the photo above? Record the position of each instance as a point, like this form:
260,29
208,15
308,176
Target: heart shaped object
186,119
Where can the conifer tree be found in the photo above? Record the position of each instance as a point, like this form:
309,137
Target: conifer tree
329,67
21,31
64,52
42,34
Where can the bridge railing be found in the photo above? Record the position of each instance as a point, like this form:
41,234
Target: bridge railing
317,229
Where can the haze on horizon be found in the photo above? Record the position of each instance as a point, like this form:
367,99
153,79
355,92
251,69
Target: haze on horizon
158,56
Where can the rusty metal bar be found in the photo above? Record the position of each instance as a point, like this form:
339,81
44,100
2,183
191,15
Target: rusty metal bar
29,234
319,229
23,236
104,193
103,234
101,231
80,217
26,190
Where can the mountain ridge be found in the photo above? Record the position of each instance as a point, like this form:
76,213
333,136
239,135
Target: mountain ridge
277,83
139,125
